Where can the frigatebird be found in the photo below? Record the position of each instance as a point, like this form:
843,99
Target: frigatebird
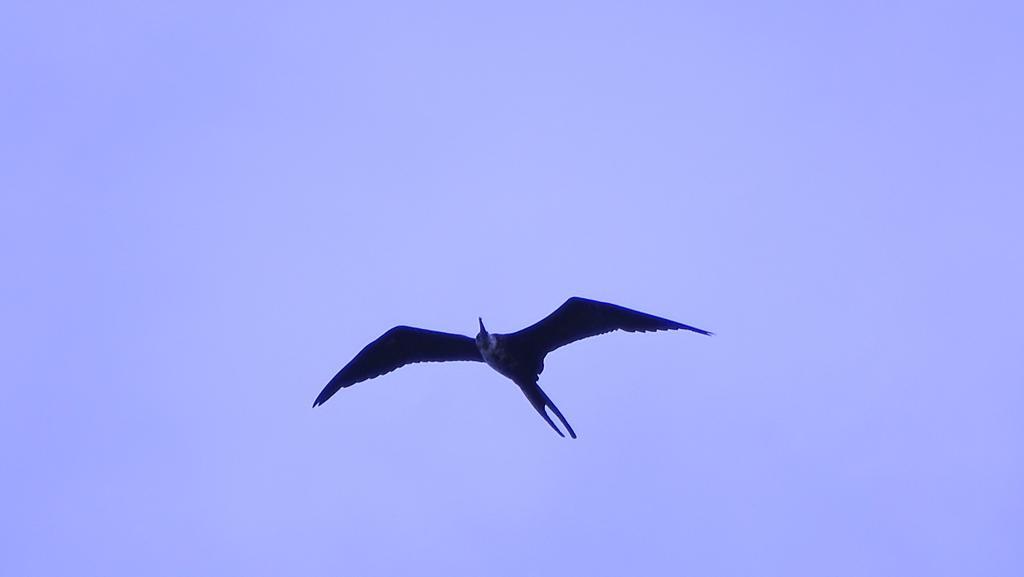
519,355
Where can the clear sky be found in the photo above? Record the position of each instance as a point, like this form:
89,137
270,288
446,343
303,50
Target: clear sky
208,208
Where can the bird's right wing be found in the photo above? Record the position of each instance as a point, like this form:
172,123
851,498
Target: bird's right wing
579,318
398,347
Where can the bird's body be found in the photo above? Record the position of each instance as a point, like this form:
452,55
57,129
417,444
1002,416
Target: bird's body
518,356
501,356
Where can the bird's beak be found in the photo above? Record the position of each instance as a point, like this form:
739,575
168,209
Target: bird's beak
482,329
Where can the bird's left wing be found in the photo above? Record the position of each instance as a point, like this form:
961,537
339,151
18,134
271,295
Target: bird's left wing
398,347
580,318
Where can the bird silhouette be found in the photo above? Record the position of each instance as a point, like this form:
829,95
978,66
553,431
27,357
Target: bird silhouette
518,356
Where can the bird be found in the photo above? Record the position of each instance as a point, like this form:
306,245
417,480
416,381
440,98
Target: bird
518,356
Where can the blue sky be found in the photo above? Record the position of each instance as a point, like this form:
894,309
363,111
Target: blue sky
208,209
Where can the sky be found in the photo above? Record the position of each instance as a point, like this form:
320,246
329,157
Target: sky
208,208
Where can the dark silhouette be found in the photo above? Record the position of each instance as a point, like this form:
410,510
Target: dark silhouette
519,356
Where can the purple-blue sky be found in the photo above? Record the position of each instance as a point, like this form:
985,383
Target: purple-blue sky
208,209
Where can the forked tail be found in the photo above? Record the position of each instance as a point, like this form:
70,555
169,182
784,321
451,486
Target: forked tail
540,400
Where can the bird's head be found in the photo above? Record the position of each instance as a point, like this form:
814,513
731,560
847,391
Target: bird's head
483,339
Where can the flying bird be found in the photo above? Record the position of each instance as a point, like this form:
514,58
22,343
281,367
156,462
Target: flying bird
518,356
